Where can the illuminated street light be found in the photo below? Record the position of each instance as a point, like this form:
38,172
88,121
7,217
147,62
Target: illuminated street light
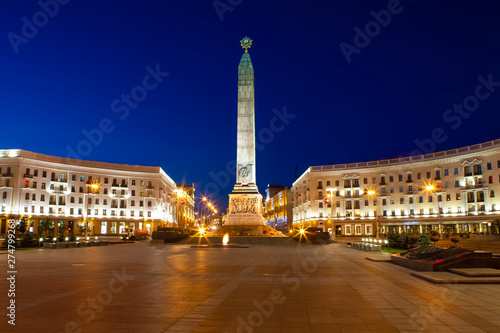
332,207
431,188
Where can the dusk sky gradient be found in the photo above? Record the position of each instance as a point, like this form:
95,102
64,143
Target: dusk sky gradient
392,94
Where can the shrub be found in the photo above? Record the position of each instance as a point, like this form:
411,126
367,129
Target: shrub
424,240
26,241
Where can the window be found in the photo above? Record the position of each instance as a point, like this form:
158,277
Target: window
448,197
446,172
337,183
401,189
105,191
410,200
383,189
492,194
320,184
80,200
419,175
365,180
410,188
420,199
80,189
97,201
392,189
104,212
488,166
428,174
320,204
133,182
430,198
73,189
132,203
431,211
401,200
141,203
393,213
368,229
41,209
391,179
82,178
105,180
44,174
72,200
402,212
141,193
33,197
347,230
455,171
392,201
366,203
133,193
490,179
384,213
384,202
358,229
132,213
34,184
142,182
447,185
73,177
327,183
400,178
457,183
105,202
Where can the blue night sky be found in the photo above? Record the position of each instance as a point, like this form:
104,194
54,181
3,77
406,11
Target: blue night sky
68,78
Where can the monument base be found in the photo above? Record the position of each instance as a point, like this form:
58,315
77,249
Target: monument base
245,206
247,230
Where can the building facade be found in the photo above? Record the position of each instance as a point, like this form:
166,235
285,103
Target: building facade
75,194
277,209
184,206
456,191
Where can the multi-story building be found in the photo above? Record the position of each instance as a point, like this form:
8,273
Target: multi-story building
72,193
277,209
454,189
184,205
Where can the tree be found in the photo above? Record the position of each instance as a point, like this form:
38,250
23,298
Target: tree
44,226
22,226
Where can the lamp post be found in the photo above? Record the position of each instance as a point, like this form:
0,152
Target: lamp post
93,187
372,193
332,208
432,189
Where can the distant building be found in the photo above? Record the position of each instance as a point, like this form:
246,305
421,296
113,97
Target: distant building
184,205
105,196
396,195
277,208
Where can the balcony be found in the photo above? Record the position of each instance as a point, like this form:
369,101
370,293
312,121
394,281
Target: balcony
119,185
7,175
382,183
437,178
27,175
58,180
468,174
52,202
151,187
409,181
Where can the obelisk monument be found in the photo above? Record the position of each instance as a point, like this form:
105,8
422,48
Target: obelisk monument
245,203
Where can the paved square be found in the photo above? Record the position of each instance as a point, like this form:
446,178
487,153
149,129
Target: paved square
175,288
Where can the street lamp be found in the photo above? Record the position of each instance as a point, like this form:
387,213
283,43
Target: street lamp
93,188
432,189
331,217
372,193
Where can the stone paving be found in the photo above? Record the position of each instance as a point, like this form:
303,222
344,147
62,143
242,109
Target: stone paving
264,288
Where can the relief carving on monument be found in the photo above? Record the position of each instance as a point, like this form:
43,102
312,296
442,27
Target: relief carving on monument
244,173
243,205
